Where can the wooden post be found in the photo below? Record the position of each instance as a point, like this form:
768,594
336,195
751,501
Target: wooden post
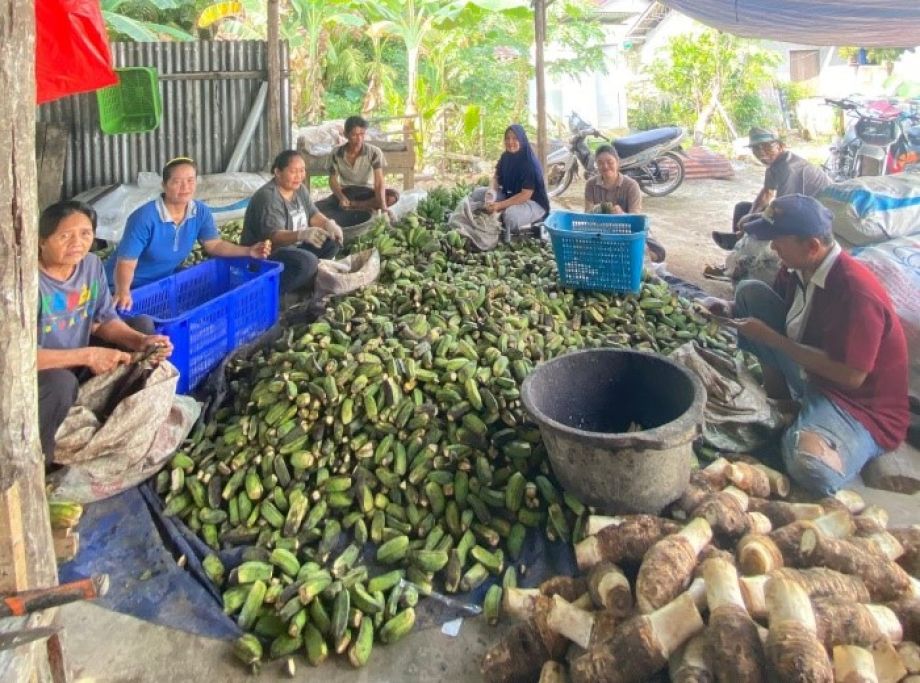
26,548
539,19
275,137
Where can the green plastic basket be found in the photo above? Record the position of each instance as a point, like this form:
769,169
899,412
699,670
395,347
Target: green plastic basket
132,106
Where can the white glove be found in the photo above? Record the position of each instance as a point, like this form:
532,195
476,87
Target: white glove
334,231
313,236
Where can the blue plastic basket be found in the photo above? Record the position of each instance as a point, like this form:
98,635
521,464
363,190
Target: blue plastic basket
210,309
601,252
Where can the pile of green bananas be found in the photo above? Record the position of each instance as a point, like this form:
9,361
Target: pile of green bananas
395,422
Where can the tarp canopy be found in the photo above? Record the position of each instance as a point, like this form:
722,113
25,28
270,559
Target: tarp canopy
856,23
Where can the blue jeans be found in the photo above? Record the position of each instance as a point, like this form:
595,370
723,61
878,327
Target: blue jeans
819,416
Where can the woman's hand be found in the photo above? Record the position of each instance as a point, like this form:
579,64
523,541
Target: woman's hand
101,360
718,306
491,207
344,202
261,250
123,300
161,342
618,209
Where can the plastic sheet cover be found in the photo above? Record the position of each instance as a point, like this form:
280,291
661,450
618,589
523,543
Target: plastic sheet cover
863,23
71,49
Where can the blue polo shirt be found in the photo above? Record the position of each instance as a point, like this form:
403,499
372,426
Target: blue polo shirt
159,245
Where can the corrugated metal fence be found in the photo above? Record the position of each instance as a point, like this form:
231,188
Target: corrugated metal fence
207,88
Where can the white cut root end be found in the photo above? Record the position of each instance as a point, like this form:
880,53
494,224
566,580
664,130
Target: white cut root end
698,533
587,553
779,482
758,554
722,589
520,603
572,622
753,590
852,500
759,523
877,514
553,672
788,602
697,592
738,495
854,664
888,665
886,621
887,544
910,656
837,524
597,522
675,623
716,472
691,656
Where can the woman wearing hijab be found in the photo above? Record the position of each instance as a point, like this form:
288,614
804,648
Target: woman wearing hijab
518,193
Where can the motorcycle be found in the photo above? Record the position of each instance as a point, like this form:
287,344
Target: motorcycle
879,139
650,157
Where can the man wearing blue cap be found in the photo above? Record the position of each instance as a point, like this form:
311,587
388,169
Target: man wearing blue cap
786,173
826,335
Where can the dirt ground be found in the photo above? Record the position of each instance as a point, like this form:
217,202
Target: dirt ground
684,219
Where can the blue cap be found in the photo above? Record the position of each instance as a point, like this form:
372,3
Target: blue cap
791,214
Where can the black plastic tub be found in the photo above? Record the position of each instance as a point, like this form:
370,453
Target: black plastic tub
584,402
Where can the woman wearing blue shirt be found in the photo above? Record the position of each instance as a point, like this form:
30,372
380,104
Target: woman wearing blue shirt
160,235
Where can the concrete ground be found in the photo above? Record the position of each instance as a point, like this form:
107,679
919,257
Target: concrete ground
106,646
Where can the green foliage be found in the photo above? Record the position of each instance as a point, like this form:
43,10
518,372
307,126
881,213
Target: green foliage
874,55
149,20
710,69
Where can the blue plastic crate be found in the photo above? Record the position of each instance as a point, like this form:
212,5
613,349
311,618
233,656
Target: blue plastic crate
600,252
210,309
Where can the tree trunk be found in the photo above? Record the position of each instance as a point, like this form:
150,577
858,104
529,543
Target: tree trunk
412,53
540,67
699,128
27,555
275,138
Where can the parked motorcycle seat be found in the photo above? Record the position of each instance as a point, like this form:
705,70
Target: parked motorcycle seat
629,145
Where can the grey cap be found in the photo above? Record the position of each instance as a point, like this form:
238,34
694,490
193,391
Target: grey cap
758,136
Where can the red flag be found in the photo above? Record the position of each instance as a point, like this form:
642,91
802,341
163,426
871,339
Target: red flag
71,49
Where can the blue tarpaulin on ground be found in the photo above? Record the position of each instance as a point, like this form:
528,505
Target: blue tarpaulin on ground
128,538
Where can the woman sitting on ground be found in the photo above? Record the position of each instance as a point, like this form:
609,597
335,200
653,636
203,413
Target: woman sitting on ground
616,193
281,211
160,235
356,175
76,315
518,192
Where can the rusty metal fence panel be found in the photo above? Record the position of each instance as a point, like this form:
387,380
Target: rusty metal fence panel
207,88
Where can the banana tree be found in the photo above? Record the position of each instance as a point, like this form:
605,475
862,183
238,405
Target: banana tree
309,30
414,23
379,74
135,19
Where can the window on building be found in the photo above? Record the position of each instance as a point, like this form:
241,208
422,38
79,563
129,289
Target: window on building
804,64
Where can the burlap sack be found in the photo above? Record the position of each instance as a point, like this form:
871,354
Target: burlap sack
334,278
143,431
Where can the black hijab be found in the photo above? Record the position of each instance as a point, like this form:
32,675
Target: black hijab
513,170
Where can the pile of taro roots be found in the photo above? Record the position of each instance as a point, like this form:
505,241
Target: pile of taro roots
735,584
